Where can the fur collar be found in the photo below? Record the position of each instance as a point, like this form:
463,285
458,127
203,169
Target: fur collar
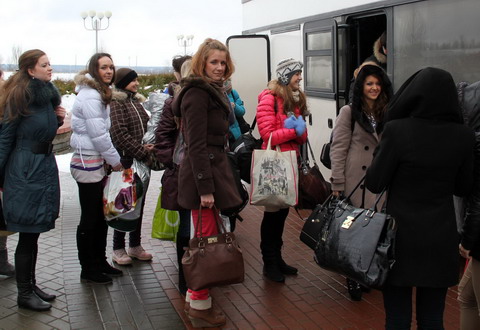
42,93
378,52
122,95
197,82
83,78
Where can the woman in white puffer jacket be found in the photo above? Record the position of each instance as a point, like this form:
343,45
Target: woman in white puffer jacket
93,151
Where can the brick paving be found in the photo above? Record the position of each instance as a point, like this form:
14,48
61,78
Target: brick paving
146,296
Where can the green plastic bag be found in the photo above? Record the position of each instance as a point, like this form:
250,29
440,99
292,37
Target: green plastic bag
165,222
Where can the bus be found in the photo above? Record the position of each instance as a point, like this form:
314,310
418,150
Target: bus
333,38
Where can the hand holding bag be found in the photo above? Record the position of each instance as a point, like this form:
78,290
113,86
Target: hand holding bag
274,177
313,189
358,243
211,261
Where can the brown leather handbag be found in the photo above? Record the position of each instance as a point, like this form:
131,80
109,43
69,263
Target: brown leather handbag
211,261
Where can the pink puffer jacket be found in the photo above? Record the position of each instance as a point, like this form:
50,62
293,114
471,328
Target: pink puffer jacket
270,121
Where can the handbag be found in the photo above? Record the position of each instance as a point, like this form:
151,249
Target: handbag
165,223
211,261
312,187
310,234
358,243
274,177
243,149
325,155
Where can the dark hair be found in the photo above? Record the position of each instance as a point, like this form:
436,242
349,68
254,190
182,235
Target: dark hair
15,97
93,68
177,62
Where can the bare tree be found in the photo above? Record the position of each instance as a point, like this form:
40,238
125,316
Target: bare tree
16,52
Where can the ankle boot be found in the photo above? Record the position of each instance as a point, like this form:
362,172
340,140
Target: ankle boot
26,297
6,268
182,242
273,273
206,318
41,294
286,269
354,290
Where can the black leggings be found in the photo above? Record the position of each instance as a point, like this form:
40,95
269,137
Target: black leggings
27,243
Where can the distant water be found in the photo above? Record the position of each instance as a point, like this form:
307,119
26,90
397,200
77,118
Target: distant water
62,76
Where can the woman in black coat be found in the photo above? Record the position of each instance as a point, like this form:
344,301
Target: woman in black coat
424,158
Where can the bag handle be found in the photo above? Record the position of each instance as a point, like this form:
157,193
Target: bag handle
220,225
377,200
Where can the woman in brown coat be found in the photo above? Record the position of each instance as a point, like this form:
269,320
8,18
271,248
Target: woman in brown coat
356,134
205,177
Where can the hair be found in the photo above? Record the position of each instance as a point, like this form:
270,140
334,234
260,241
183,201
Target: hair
15,96
177,62
93,68
199,60
289,103
380,104
1,74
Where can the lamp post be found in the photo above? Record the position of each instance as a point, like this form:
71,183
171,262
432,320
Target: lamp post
96,23
184,41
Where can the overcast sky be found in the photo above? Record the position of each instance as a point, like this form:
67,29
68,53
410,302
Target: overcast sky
141,32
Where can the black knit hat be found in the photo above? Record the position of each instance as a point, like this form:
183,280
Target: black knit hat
123,77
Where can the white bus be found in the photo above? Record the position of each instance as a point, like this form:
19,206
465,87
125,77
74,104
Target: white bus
333,38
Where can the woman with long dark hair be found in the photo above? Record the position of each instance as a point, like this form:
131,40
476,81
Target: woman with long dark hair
93,152
31,111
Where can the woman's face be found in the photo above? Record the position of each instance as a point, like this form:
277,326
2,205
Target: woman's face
42,70
216,65
106,69
133,86
295,81
371,88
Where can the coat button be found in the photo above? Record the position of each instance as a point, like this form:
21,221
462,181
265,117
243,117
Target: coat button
367,147
211,156
364,167
199,175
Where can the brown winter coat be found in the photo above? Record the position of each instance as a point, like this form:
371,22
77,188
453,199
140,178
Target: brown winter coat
351,154
205,168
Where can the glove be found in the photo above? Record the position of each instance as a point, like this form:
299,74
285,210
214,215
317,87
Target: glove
300,126
290,122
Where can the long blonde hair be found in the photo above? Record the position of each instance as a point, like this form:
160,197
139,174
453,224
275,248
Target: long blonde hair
199,60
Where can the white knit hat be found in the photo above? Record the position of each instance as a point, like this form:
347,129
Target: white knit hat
286,69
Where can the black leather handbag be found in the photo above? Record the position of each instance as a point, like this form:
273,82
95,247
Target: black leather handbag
358,243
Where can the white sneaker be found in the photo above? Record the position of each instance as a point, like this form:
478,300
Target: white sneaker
139,253
121,257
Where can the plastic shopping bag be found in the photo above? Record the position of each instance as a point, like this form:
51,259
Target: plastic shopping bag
120,193
165,222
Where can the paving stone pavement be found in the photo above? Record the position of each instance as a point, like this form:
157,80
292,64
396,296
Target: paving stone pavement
146,297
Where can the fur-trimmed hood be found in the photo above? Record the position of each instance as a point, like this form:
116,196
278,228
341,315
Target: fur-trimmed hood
84,79
43,93
121,95
378,52
196,82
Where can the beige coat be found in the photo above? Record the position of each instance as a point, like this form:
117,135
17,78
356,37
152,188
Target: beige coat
351,154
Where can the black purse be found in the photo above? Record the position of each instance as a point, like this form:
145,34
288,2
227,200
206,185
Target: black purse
358,243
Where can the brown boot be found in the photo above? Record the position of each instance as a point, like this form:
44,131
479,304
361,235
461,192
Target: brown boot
207,318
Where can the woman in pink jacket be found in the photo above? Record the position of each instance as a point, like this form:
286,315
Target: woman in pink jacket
280,113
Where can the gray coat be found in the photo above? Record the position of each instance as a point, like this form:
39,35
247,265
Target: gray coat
31,189
351,154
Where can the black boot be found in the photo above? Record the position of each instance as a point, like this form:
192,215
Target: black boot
26,296
270,230
100,251
285,268
42,295
6,268
354,290
182,242
86,256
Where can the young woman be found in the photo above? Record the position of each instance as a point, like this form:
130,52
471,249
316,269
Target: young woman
93,152
205,177
281,111
30,106
424,158
129,124
357,131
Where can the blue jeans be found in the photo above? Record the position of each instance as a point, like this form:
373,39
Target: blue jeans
430,305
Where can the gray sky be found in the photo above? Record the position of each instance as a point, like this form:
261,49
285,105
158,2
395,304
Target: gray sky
141,32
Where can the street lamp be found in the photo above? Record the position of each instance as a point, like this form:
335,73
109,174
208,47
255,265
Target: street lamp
96,23
184,41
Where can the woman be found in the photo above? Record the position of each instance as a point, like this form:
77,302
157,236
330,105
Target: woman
357,131
129,124
166,136
93,152
239,110
280,112
205,178
425,156
30,106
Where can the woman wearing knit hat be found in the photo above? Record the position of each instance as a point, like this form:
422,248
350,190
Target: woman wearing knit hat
129,124
280,114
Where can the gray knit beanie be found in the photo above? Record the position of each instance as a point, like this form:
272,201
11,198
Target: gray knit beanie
286,69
